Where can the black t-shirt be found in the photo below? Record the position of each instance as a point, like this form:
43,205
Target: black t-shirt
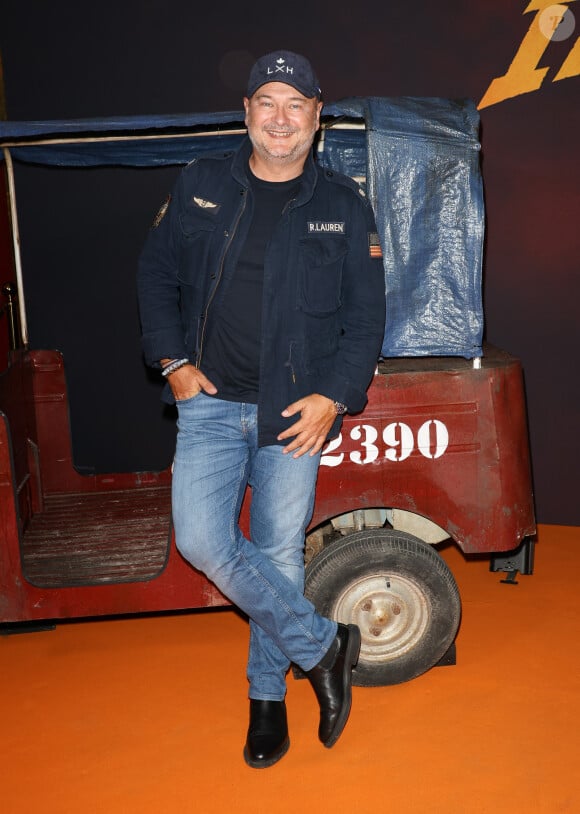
231,358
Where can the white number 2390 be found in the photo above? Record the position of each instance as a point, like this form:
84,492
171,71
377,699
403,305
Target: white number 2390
398,440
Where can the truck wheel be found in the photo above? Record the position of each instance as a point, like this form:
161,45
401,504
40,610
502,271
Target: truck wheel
399,592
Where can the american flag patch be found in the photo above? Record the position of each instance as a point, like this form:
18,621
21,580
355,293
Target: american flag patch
374,245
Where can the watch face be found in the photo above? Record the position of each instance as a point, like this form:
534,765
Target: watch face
340,408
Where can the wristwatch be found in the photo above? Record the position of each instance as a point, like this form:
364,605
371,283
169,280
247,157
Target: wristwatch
340,408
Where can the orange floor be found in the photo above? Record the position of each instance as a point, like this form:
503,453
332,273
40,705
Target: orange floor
149,714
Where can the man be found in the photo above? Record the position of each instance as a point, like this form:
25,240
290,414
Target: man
263,307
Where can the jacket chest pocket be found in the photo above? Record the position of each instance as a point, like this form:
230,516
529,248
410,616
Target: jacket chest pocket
197,232
321,274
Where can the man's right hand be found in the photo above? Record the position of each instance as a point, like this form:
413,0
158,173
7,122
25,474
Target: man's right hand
187,381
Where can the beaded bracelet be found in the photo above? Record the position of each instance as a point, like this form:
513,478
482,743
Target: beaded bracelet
173,366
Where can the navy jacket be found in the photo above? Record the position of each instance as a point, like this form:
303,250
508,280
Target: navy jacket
323,296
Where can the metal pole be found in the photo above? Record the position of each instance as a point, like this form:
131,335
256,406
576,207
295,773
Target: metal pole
16,247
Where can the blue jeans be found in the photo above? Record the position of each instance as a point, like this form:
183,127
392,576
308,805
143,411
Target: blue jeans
217,455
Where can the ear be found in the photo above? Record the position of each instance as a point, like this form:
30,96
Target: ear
246,108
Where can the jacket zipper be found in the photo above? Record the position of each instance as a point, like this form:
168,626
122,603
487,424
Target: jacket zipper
219,277
290,363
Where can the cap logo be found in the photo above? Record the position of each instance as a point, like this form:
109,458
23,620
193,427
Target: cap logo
279,67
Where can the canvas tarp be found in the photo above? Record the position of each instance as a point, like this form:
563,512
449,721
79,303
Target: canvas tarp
420,158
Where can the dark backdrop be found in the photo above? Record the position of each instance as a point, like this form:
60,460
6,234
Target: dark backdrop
77,59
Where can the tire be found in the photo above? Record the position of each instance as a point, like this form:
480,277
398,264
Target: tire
399,592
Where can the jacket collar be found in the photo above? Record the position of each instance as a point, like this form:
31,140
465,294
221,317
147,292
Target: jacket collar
240,171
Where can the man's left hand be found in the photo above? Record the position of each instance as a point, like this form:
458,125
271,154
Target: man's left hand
317,414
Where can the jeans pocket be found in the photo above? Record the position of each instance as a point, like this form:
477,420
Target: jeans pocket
188,400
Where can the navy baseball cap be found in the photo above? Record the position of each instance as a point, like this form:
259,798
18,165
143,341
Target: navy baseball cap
287,67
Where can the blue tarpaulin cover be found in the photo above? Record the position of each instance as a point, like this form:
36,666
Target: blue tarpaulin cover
420,158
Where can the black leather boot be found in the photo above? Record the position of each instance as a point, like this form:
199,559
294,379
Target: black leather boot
267,739
332,683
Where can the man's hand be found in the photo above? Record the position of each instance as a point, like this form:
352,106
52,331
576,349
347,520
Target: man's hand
317,414
187,381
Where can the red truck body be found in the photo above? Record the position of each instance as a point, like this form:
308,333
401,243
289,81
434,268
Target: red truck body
438,438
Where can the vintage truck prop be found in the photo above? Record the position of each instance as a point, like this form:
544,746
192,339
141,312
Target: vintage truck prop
439,453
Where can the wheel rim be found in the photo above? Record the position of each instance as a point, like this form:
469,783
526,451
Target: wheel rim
391,611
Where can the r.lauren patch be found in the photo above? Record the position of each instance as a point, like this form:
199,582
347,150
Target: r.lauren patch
325,227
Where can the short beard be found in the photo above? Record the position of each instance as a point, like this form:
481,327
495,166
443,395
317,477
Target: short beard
301,149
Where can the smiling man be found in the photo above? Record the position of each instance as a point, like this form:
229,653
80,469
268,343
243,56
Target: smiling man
262,305
281,124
